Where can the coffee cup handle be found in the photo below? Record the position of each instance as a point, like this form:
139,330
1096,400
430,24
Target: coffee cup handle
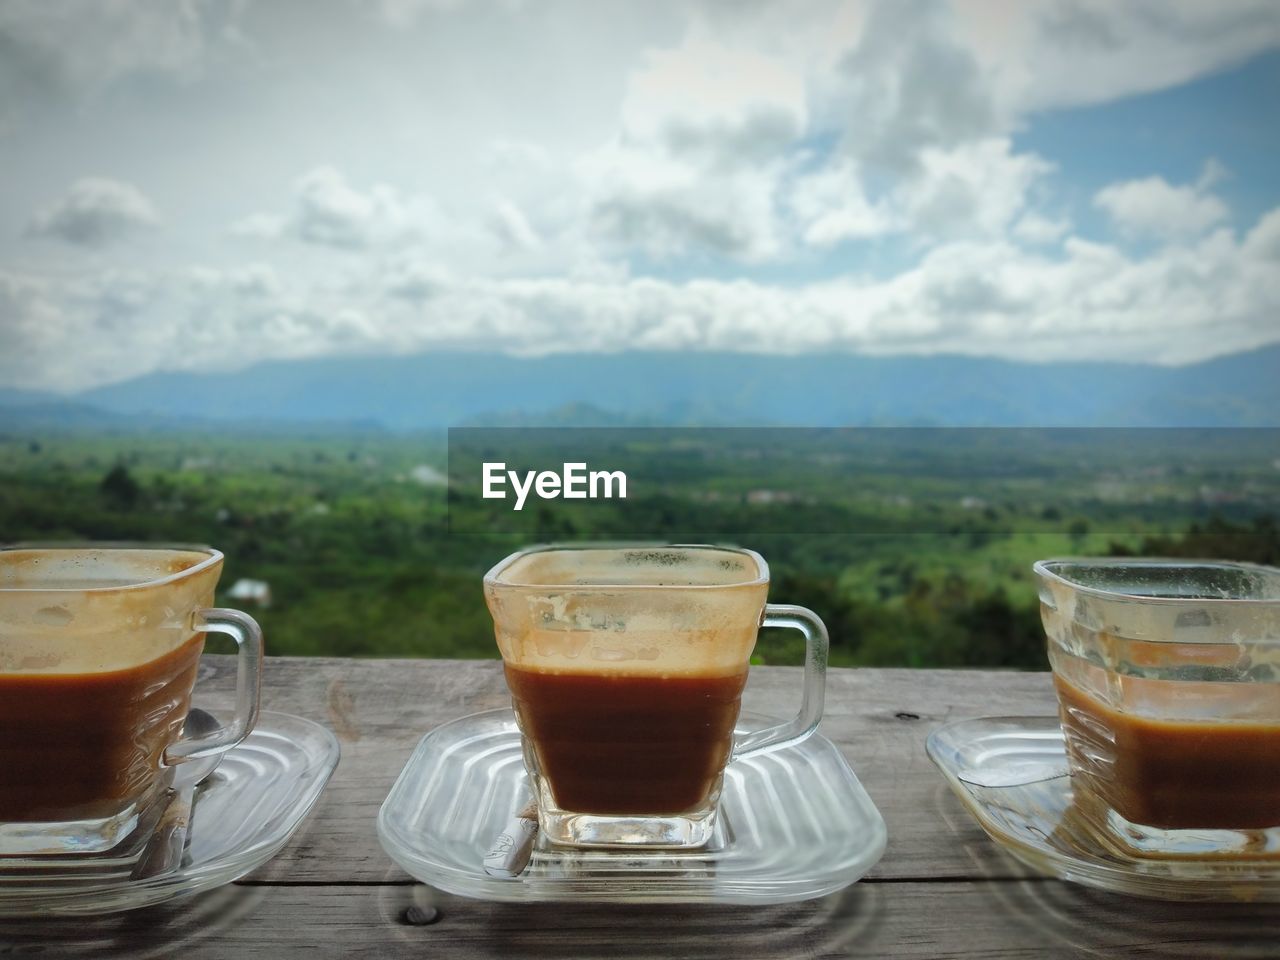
248,637
816,644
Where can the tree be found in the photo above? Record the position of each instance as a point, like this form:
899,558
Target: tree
119,487
1219,539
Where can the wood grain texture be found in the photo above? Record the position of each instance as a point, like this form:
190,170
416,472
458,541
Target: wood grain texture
942,889
878,718
1012,920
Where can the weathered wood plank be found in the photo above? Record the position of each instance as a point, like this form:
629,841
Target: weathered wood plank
879,719
941,891
1014,920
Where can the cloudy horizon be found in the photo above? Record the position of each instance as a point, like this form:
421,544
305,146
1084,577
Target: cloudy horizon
211,183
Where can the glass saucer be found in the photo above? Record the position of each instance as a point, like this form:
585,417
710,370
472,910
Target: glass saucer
240,818
1011,774
793,824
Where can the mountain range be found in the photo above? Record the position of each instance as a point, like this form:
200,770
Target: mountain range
435,390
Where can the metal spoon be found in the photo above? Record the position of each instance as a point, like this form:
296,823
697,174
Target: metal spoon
166,846
508,855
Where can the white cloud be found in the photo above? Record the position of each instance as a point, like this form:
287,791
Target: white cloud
910,83
522,207
62,332
511,227
1263,241
77,48
29,328
725,105
260,226
329,212
404,13
922,100
128,323
1154,207
977,188
697,165
500,233
663,206
412,278
94,212
831,205
1039,229
255,280
985,296
1068,53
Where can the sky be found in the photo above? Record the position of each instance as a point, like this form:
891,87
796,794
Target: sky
203,184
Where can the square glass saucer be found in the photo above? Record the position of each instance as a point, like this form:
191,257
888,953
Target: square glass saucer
793,824
240,818
1011,774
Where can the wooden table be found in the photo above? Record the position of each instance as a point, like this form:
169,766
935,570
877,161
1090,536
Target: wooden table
941,890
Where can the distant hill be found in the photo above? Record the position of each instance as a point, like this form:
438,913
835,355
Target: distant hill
445,389
9,397
39,411
29,410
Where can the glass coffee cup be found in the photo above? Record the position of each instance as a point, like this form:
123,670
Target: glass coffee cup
626,666
1168,682
99,645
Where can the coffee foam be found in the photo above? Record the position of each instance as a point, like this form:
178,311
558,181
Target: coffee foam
702,653
94,610
632,567
590,612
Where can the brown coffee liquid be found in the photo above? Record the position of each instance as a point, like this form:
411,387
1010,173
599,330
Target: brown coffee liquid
1176,774
79,746
618,744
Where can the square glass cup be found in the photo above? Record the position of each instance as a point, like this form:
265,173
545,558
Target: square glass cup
626,665
1168,681
99,646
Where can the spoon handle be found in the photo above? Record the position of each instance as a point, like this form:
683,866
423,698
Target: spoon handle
166,846
509,854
